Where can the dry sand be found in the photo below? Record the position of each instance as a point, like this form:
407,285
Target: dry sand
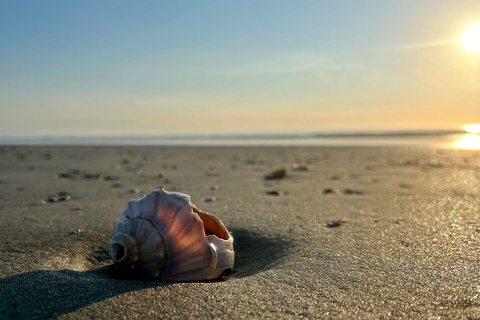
406,247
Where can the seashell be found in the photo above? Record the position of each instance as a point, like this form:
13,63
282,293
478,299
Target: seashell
165,237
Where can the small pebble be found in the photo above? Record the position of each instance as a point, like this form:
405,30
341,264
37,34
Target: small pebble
335,223
42,202
214,188
329,191
211,173
279,173
210,199
52,199
64,198
77,231
352,191
134,190
78,208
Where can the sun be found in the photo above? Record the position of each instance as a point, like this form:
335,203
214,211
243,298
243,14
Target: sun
472,128
471,38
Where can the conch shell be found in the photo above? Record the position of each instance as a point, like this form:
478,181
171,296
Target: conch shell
165,237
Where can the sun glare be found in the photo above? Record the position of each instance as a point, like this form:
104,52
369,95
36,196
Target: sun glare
472,128
469,141
471,38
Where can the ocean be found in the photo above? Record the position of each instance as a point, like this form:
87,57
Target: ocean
435,139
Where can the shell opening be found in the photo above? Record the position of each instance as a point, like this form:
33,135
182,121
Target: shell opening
118,252
211,224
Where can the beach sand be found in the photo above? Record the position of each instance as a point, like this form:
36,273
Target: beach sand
403,244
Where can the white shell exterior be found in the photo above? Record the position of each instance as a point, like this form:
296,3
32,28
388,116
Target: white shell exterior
164,236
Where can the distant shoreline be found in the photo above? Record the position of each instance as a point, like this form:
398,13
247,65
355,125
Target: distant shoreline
351,138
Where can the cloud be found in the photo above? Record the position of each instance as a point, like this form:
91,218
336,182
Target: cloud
291,63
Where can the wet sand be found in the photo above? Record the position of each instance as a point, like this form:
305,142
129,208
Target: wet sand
403,243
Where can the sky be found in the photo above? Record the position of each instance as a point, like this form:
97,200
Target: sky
188,67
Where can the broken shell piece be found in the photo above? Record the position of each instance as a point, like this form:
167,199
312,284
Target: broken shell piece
300,167
164,236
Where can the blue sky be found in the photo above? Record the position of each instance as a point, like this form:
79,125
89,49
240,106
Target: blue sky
156,67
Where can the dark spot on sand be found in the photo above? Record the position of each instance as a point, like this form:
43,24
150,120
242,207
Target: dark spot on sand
405,185
273,193
91,176
47,156
110,178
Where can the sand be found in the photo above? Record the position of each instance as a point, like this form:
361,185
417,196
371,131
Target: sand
406,246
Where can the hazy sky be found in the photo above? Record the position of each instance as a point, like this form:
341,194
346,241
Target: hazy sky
156,67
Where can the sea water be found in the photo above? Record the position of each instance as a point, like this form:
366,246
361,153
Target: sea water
436,139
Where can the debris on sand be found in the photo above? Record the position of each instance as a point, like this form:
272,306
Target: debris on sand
335,223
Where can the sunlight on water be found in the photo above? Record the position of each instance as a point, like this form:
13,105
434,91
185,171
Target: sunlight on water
469,141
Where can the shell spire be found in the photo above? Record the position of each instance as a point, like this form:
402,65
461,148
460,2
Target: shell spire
164,236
